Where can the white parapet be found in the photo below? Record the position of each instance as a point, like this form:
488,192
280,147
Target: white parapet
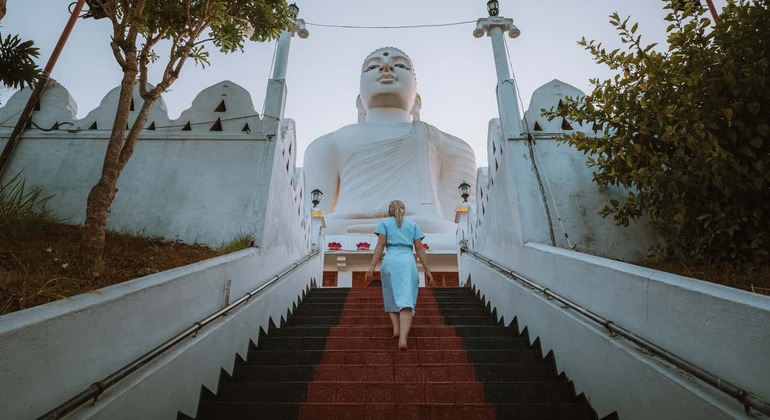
206,177
717,328
540,189
53,352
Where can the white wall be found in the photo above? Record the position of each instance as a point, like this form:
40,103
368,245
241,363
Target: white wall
720,329
198,186
510,205
345,279
194,185
197,190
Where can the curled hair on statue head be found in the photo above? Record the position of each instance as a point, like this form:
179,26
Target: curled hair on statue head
397,209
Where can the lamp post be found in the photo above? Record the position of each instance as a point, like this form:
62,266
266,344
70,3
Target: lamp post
508,107
318,221
275,98
465,189
462,213
315,197
284,42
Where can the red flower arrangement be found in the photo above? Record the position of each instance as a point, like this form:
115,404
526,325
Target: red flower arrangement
425,246
363,246
335,246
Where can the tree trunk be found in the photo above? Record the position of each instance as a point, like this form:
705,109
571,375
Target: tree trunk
101,195
119,150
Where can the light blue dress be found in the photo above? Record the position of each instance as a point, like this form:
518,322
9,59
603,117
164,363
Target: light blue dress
399,270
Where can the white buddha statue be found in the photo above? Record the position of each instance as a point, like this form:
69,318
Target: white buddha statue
388,155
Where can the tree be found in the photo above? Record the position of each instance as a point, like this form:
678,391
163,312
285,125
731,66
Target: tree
138,27
17,64
686,130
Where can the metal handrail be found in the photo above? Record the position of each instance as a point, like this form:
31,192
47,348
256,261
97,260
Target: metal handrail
97,388
748,400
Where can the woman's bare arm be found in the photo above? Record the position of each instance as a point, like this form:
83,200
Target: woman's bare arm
424,261
378,249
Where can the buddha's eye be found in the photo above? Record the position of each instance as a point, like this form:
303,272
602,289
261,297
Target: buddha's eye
403,66
372,67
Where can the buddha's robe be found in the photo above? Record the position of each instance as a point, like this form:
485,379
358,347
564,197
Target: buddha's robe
422,168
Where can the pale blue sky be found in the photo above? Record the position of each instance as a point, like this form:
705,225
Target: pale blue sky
455,71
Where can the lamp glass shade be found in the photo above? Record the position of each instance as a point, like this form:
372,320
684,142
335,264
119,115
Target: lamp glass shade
465,190
315,196
294,10
493,7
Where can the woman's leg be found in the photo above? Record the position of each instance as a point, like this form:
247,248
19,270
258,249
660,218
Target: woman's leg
405,318
394,321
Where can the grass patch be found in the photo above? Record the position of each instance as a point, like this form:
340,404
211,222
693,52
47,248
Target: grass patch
240,241
22,209
756,280
45,264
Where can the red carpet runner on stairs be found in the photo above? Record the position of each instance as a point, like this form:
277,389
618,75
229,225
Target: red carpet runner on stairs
334,358
362,375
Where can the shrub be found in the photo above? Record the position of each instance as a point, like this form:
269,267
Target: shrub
686,131
22,210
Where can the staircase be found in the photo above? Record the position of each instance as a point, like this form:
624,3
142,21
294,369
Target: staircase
335,359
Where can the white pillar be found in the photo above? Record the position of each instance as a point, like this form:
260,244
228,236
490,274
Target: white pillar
507,98
282,48
275,98
499,52
463,220
318,223
282,56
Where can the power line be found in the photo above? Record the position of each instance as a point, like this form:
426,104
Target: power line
435,25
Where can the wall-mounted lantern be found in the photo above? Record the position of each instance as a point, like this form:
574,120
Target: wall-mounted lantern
465,190
315,197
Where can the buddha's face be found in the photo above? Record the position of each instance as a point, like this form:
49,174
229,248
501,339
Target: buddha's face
388,81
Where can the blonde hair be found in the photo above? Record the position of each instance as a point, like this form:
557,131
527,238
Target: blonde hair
396,209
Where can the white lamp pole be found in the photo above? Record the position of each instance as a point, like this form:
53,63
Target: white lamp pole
276,87
282,48
507,104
